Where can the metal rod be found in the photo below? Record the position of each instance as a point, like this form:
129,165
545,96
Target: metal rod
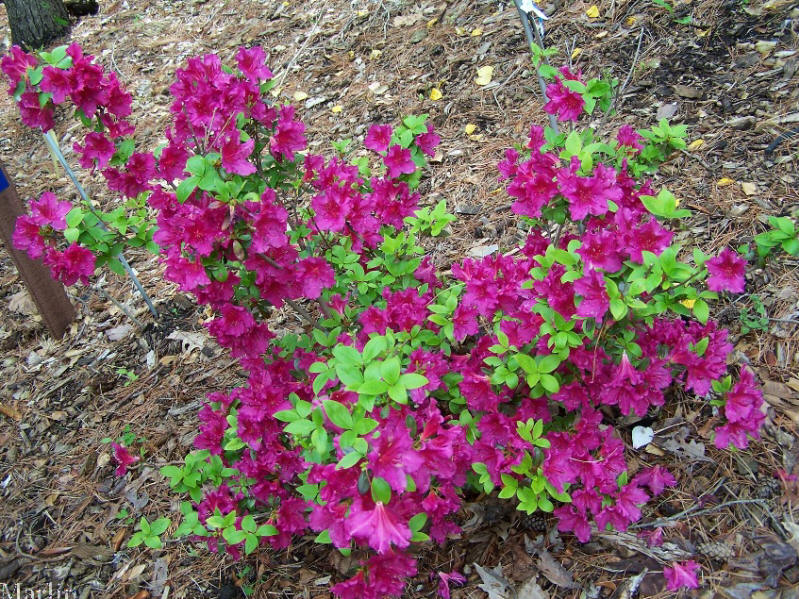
53,145
536,38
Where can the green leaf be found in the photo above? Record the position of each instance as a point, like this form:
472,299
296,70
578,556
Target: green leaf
349,460
701,310
248,523
364,426
159,526
136,540
346,354
338,413
381,490
373,387
300,427
266,530
233,536
398,393
417,522
373,348
153,542
413,380
390,370
350,375
323,537
186,187
250,544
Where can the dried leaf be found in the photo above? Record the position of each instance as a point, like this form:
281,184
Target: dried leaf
21,302
336,109
531,590
494,584
554,571
300,96
666,111
469,128
159,577
117,333
484,75
749,188
724,182
435,94
10,411
593,12
188,340
696,144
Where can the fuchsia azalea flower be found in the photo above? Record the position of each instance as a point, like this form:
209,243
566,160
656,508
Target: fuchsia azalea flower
427,142
379,527
28,236
49,211
591,287
726,272
628,137
398,161
73,264
681,575
563,102
96,151
378,138
123,458
235,154
446,579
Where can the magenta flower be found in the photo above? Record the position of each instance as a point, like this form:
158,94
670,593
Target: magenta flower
681,575
379,527
628,137
427,142
28,236
96,151
58,82
123,458
48,210
73,264
595,300
289,135
563,102
235,154
378,138
726,272
398,161
252,63
314,275
447,578
589,195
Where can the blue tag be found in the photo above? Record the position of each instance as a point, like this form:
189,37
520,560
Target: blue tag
3,181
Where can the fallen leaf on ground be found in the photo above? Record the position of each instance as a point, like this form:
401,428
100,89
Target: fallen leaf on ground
484,75
593,12
724,182
188,340
554,571
117,333
494,584
21,302
435,94
531,590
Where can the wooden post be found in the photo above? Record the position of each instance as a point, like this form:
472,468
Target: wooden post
49,295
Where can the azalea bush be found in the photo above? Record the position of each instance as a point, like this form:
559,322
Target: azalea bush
411,385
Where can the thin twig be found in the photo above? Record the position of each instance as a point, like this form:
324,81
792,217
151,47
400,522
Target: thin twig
693,512
620,96
122,307
282,77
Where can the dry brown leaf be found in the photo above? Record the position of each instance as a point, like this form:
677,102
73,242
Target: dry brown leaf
10,411
554,571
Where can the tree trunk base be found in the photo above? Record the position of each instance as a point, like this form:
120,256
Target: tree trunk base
81,8
36,23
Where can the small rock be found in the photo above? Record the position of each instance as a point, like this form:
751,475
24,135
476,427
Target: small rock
666,111
686,91
742,122
467,209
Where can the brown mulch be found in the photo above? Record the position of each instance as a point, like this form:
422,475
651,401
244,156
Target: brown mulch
65,518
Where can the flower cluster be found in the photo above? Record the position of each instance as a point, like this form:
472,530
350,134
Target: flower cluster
409,383
34,233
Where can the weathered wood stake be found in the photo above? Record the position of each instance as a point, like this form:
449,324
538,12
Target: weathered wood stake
48,294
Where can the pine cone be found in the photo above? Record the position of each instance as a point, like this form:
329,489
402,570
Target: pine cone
719,550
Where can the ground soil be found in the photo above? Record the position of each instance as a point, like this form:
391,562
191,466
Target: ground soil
727,69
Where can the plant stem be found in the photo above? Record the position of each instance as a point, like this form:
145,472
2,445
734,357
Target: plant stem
53,145
534,37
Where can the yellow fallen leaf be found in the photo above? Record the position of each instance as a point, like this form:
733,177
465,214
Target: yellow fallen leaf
470,128
696,144
601,34
362,13
688,303
724,182
435,94
431,23
375,54
630,21
336,109
576,52
593,12
477,32
702,32
460,31
300,96
484,75
749,188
